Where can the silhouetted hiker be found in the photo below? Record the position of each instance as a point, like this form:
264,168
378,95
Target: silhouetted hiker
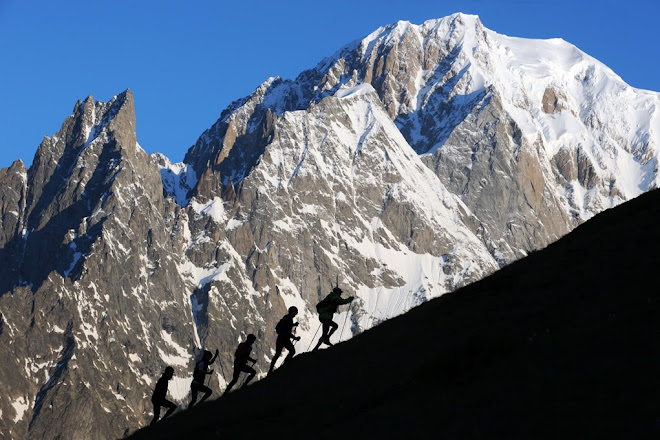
159,397
199,376
284,330
242,356
326,308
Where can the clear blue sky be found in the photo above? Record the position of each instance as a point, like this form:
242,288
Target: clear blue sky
186,61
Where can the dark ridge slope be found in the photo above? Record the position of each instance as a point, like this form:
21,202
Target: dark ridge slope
561,344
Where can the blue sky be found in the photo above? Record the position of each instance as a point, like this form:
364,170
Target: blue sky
185,64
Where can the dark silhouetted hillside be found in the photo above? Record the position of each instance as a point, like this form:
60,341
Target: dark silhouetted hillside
562,344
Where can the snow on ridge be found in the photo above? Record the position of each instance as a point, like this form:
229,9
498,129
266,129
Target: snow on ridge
436,22
214,209
358,90
178,178
138,147
588,116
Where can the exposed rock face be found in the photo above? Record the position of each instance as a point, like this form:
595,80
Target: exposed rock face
501,177
550,102
406,165
12,201
97,241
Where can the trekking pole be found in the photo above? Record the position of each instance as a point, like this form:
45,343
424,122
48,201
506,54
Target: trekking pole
313,337
221,369
343,325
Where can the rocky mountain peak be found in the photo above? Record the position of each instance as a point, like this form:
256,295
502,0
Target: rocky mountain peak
16,167
76,174
84,229
12,200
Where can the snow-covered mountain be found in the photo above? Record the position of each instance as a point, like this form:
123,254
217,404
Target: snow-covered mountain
479,106
408,164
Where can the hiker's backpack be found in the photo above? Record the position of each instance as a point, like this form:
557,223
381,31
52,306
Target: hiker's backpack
324,305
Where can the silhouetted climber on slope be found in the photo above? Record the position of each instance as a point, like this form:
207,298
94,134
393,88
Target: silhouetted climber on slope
284,330
199,376
326,308
242,356
159,397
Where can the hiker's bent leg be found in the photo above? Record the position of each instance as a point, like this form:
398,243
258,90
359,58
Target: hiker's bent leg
326,329
193,396
234,379
291,349
252,373
166,403
334,326
207,393
324,332
278,352
156,413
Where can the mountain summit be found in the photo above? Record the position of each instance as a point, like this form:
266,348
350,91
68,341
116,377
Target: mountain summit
476,104
409,164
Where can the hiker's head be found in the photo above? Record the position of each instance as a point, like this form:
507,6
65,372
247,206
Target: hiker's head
337,290
251,338
293,310
207,355
169,372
